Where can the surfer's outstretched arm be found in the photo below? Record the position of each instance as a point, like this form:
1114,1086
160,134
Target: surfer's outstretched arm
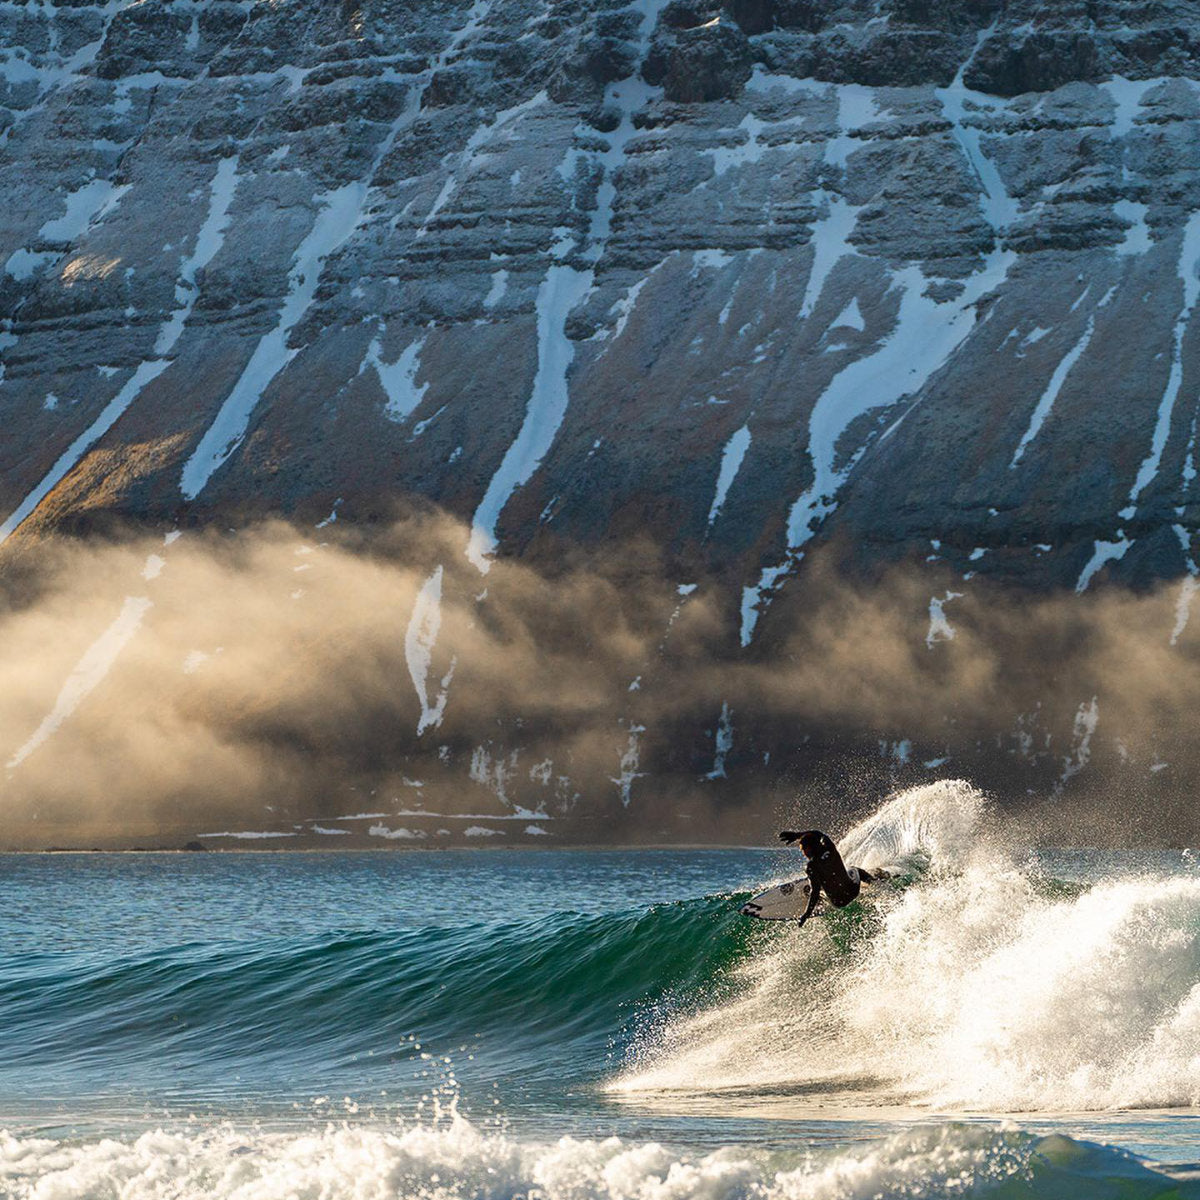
813,896
864,876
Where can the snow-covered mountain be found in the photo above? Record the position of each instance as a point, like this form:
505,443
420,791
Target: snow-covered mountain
691,293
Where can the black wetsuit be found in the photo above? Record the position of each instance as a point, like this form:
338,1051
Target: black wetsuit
827,873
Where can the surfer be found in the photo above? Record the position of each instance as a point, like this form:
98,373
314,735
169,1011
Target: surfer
825,870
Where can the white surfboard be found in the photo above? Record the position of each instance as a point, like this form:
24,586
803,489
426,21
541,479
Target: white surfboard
784,902
787,901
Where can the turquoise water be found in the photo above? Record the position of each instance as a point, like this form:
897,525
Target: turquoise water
436,1023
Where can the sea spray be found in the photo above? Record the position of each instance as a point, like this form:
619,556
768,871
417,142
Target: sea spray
936,825
458,1160
257,1026
980,985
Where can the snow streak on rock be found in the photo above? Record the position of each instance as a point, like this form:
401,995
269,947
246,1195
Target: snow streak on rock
629,764
940,629
1102,553
208,242
340,213
562,290
731,463
1187,589
1086,720
86,206
998,206
55,71
1127,96
147,372
466,159
337,219
850,318
419,641
831,234
1050,395
1137,237
722,743
88,674
925,334
1189,262
398,379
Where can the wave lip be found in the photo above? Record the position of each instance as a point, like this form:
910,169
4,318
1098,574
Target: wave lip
456,1159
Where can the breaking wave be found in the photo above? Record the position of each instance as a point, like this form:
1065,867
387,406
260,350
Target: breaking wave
456,1159
971,982
981,985
560,982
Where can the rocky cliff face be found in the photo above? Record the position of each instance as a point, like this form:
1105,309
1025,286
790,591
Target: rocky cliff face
912,279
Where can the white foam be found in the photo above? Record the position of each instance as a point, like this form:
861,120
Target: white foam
977,988
454,1158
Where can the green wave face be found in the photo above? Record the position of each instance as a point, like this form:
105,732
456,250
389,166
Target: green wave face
557,994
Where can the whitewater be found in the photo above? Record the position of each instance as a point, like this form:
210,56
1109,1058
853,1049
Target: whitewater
994,1021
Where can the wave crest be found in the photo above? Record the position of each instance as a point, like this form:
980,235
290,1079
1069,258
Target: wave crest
978,987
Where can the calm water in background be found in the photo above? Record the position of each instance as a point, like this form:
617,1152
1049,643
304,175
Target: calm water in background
541,993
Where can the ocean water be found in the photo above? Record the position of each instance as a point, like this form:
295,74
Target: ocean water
573,1025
